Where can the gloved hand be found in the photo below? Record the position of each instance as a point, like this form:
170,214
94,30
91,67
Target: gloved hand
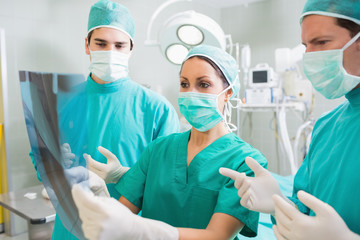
255,192
82,176
97,185
45,194
67,156
105,218
112,171
294,225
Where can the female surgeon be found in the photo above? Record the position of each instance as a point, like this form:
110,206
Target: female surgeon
325,187
176,180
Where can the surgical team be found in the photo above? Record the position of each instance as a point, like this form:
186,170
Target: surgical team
153,182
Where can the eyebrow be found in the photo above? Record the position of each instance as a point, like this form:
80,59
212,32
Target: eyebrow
104,41
316,39
199,78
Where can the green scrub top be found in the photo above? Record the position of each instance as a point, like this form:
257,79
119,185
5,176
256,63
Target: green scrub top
165,189
122,116
330,170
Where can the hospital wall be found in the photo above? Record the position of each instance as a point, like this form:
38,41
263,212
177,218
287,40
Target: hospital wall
266,26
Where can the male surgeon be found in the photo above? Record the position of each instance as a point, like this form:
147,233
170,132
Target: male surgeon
121,115
325,201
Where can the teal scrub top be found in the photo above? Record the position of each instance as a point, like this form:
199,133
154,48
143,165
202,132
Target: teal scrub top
165,189
330,170
123,117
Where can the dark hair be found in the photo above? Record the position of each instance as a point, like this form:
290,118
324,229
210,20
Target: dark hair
351,26
216,68
91,32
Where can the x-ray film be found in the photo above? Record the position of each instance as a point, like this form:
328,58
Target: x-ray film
55,109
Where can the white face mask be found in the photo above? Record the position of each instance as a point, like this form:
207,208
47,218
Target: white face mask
109,66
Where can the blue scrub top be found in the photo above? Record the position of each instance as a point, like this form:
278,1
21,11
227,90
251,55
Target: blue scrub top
330,170
121,116
166,189
125,117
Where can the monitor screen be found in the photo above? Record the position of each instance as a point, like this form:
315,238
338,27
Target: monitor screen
260,76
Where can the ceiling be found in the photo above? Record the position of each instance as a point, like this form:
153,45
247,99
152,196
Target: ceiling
226,3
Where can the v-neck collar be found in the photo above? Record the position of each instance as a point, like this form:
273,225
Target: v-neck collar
354,97
182,170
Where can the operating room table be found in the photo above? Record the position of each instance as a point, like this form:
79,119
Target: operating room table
38,212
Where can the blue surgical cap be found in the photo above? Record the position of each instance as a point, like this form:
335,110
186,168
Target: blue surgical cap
105,13
344,9
226,63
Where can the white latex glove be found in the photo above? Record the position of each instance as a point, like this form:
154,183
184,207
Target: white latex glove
293,225
67,156
107,219
85,177
45,194
255,192
97,185
112,171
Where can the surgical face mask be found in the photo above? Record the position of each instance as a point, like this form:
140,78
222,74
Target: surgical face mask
200,109
326,72
109,66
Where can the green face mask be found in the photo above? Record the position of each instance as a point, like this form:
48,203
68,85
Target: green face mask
327,74
200,109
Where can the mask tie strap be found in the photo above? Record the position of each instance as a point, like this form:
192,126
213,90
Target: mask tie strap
351,41
227,117
237,101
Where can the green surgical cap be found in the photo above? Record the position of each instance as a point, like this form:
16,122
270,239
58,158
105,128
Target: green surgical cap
105,13
344,9
226,63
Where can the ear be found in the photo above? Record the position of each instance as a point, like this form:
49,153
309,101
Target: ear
131,48
358,44
87,49
228,95
133,45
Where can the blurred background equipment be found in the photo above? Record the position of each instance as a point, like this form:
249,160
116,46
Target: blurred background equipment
279,91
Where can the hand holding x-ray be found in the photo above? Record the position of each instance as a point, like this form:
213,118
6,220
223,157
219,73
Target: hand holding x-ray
105,218
82,176
255,192
294,225
67,156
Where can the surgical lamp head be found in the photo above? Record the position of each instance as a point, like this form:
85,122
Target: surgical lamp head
186,30
226,63
105,13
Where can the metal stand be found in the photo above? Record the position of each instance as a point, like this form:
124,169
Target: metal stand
38,212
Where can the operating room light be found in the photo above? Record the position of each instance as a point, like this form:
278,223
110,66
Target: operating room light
186,30
176,53
190,35
183,31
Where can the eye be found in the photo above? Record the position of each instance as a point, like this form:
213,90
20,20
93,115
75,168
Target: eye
204,84
322,42
184,84
101,44
119,46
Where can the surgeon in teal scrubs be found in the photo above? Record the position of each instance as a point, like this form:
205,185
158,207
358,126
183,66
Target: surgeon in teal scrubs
325,186
176,179
121,115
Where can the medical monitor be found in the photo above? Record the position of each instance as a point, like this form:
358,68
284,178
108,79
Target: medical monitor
262,76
